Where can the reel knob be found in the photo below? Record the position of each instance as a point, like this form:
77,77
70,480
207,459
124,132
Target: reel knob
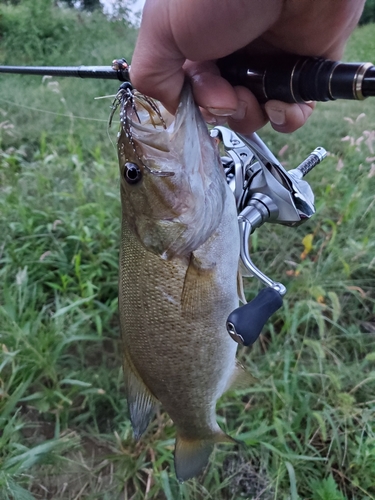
245,323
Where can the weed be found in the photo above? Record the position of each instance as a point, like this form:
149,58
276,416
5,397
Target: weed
64,433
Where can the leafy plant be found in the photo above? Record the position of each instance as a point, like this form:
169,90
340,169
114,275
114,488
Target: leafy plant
326,490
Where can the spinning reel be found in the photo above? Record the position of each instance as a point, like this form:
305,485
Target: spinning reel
264,192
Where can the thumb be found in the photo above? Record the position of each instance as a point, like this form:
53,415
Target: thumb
156,68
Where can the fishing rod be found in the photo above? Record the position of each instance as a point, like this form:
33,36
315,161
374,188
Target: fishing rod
264,191
286,78
118,71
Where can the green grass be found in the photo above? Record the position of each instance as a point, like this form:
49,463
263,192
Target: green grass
308,425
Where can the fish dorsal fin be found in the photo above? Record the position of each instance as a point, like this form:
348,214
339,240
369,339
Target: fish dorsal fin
141,403
191,455
240,379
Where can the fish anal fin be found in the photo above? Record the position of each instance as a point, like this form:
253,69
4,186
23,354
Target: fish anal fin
141,403
191,455
241,378
197,287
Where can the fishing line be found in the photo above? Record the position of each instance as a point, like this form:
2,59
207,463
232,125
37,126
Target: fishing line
53,112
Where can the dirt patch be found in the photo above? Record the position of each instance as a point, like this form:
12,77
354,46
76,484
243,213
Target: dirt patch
246,480
83,473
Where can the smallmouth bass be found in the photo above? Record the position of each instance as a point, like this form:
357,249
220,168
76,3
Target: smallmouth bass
178,273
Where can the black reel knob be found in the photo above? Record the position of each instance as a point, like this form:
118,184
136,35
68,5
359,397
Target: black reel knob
245,323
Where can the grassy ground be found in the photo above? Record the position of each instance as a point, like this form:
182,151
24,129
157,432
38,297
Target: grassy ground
308,425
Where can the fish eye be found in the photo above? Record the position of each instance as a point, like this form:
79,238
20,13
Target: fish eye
132,173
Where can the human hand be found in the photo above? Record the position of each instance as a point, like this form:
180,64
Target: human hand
179,37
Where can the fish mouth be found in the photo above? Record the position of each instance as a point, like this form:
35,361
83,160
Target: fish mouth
144,121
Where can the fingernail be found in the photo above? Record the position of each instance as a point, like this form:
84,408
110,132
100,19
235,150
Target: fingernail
221,111
276,115
240,111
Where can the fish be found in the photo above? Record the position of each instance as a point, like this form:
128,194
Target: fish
178,279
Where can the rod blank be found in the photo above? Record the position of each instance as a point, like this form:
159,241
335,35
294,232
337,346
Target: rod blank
97,72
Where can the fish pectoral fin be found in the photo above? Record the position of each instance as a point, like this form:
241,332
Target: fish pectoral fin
241,378
163,237
191,455
197,286
141,403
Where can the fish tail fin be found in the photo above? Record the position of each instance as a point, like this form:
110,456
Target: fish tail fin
191,455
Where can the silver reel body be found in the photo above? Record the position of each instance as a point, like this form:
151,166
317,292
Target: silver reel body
264,192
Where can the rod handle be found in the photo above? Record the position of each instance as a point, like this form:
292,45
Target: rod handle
295,78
